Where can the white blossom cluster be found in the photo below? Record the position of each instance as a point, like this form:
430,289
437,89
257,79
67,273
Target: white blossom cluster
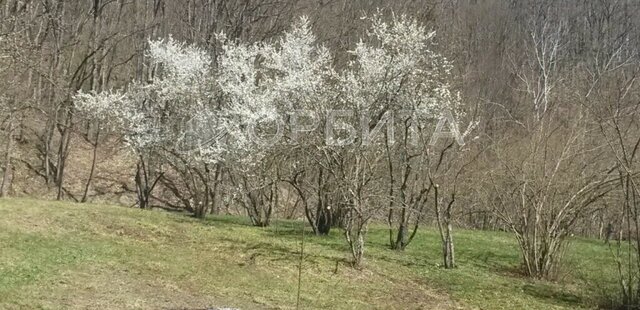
394,69
153,115
190,105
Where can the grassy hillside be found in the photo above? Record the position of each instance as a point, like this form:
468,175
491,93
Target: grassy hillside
72,256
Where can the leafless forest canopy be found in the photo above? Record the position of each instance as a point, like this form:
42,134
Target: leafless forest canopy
548,90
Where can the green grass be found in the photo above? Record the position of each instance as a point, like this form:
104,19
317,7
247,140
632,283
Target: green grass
73,256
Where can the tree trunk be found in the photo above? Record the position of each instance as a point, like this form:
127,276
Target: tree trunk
448,248
443,217
403,232
63,153
144,183
93,167
7,174
215,208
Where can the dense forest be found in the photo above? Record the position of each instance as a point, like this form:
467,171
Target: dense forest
119,101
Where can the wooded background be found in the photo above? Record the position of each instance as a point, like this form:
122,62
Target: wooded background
552,85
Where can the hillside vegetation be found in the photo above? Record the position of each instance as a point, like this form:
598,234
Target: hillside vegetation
56,255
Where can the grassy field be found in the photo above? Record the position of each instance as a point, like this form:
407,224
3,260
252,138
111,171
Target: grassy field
74,256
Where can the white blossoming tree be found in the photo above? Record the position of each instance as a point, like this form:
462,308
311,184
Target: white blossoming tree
190,115
152,116
395,76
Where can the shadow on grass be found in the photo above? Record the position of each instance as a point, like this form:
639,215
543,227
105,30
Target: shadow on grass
506,265
551,294
274,252
227,220
212,220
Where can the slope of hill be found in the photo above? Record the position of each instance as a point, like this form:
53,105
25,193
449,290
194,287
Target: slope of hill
57,255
